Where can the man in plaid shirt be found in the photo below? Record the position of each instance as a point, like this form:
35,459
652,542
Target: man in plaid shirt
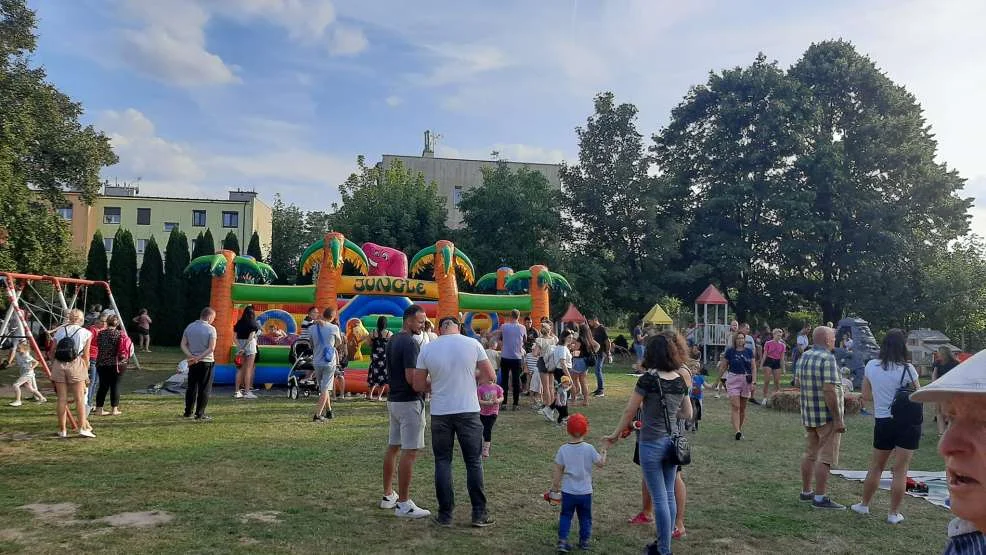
821,415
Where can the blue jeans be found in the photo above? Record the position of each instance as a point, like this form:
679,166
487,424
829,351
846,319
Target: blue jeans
659,476
600,359
468,428
638,348
569,504
93,383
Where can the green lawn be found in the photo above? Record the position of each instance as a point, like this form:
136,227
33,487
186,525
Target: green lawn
218,479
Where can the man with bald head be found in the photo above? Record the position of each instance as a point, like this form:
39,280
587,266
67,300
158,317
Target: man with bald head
821,415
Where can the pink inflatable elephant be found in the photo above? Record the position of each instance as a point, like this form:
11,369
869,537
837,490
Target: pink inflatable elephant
385,261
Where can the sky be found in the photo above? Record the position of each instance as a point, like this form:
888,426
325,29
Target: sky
280,96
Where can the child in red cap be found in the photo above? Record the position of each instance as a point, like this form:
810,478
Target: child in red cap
573,476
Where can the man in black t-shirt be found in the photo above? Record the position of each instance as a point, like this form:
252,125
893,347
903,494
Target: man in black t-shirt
601,335
406,410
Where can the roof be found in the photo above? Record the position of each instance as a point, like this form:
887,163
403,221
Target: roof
572,315
925,334
711,295
657,315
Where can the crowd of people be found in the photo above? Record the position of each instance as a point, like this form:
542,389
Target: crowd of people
466,382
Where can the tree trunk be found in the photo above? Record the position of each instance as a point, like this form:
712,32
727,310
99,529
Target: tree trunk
448,287
221,300
540,297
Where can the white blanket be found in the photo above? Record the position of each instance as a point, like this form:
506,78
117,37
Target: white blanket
937,483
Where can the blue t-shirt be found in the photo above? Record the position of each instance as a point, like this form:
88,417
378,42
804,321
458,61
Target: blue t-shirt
740,362
513,341
698,385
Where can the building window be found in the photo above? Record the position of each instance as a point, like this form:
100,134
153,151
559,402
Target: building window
143,216
168,226
141,245
456,195
66,213
198,218
111,215
231,219
108,244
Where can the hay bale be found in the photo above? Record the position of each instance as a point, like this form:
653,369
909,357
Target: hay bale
789,400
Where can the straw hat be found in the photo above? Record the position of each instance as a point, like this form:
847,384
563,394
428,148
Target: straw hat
968,377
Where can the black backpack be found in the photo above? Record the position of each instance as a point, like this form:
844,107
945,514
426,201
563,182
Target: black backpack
903,410
65,348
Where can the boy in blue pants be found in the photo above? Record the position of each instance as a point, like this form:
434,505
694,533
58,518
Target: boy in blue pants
573,477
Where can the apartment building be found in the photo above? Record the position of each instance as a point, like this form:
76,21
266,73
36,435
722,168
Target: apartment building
122,206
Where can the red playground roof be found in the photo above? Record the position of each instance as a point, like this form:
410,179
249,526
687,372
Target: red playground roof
572,315
711,295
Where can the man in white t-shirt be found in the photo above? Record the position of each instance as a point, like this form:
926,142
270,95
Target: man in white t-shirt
451,361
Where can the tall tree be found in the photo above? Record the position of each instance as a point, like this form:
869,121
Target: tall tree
151,279
123,273
199,284
253,249
391,206
733,142
97,268
513,218
287,240
170,320
43,151
231,242
953,298
620,218
879,200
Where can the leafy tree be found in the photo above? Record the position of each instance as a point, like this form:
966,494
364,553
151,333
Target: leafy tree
879,200
151,280
391,206
231,242
199,285
97,269
253,249
123,273
733,142
287,240
170,320
622,218
513,218
42,144
953,298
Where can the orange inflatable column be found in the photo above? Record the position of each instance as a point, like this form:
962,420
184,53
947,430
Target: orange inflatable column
448,287
221,300
540,297
330,272
502,274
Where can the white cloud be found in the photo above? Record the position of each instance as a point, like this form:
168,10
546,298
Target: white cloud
457,63
142,153
347,41
393,101
167,39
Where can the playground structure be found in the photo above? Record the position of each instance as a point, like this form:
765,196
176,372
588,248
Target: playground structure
381,288
711,332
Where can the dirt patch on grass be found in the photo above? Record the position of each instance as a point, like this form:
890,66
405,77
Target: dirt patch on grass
17,535
15,436
55,513
265,517
141,519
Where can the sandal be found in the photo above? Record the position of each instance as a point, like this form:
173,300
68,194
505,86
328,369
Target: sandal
641,518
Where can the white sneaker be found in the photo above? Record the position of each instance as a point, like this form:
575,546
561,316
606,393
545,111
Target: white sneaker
389,501
62,434
895,518
546,412
238,394
86,433
862,509
16,404
410,510
249,395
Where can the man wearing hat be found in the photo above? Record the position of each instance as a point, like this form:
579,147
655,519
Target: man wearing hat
962,395
451,361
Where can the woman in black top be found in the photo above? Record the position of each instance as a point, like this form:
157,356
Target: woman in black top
945,362
246,329
108,361
378,359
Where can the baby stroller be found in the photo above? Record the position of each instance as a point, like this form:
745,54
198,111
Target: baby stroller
300,378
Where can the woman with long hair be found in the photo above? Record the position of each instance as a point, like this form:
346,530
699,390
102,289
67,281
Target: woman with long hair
883,377
378,376
246,329
659,395
113,350
737,364
946,361
588,350
69,370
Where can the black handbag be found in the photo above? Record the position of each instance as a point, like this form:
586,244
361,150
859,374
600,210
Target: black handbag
903,410
681,452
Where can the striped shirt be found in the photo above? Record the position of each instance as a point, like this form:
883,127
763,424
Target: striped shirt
964,539
815,369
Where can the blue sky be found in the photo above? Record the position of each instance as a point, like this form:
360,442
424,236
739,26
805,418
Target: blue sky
201,96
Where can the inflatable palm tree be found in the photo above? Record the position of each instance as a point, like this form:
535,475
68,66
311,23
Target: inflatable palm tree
538,281
329,254
446,260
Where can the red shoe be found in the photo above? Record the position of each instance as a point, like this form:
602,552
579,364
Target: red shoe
678,534
641,518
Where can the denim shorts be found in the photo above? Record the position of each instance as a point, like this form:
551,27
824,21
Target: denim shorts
578,366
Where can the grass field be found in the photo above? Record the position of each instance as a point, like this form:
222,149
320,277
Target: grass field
261,478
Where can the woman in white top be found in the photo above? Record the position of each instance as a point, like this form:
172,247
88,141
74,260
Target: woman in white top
559,363
70,370
543,347
883,377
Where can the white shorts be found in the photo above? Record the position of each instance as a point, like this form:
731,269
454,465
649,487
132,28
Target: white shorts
407,424
28,378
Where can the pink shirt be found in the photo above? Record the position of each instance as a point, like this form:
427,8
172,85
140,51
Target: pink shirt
489,392
775,349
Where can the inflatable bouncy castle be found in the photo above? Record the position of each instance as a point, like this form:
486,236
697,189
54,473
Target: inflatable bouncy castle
381,286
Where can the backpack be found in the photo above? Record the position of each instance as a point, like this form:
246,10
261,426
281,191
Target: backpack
903,410
65,350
